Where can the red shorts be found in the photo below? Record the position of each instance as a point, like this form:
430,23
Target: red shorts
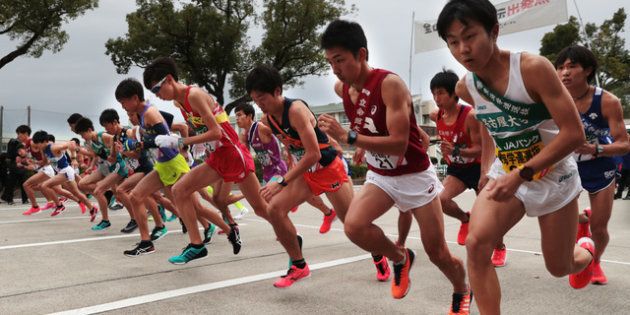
233,163
327,179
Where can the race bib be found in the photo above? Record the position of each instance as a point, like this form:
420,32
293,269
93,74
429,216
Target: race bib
198,151
514,152
382,161
133,163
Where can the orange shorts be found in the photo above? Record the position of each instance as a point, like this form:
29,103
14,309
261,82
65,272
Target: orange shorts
233,163
327,179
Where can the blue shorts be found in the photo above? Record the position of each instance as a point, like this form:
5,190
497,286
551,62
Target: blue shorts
597,174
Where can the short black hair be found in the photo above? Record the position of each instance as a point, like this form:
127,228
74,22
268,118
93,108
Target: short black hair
446,79
84,124
108,116
247,109
263,78
345,34
51,138
23,129
74,118
466,11
129,87
158,69
76,140
580,55
40,137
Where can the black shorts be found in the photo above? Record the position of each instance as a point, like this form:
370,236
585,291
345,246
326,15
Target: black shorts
468,174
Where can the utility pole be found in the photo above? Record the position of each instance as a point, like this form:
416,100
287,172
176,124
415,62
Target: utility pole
1,125
28,115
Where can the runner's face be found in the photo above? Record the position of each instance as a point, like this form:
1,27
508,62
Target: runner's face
110,127
129,104
442,98
266,101
345,65
22,137
572,73
164,89
470,44
242,120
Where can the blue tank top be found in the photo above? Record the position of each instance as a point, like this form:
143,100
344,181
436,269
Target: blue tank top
595,126
59,162
150,132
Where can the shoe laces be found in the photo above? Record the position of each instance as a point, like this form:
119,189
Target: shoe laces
380,267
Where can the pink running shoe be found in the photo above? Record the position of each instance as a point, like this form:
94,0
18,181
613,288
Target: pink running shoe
32,210
294,274
582,278
462,234
63,199
327,223
93,213
499,256
49,205
59,209
83,207
598,275
382,269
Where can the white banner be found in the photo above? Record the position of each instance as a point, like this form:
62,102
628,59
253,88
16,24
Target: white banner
514,16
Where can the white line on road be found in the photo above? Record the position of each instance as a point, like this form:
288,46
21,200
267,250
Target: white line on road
143,299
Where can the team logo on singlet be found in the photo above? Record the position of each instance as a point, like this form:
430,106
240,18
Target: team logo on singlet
373,110
593,116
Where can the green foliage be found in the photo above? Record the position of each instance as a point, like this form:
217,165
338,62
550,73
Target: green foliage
209,39
358,171
563,35
36,24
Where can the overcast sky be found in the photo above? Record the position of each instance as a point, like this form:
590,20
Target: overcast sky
81,78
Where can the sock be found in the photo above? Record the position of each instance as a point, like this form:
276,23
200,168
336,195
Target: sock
402,262
300,263
239,205
144,243
329,212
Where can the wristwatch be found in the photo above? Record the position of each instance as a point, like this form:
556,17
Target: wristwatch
526,173
280,180
352,137
598,150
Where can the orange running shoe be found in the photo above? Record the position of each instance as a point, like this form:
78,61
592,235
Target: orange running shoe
401,281
462,234
461,303
32,210
598,275
499,256
327,223
294,274
582,278
584,229
382,269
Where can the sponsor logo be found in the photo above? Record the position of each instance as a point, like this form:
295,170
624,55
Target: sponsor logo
431,188
335,185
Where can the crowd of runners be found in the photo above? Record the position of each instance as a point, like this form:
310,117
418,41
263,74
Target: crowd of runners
537,134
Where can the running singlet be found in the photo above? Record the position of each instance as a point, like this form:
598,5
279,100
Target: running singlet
456,134
368,117
37,156
291,139
268,154
133,163
595,126
57,162
150,132
519,126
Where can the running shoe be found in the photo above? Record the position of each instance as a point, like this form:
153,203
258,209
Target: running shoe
82,207
584,229
241,215
582,278
188,254
327,223
142,248
235,239
101,226
293,274
461,303
162,212
382,269
158,233
462,234
130,227
93,213
63,199
116,206
49,205
58,210
598,275
32,210
401,282
208,233
499,256
171,218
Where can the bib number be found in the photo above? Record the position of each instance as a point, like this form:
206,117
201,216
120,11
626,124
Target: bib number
514,152
382,161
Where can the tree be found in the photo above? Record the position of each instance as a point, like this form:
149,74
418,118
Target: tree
606,44
37,24
209,40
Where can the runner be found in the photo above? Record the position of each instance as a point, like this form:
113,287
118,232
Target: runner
460,145
269,155
535,131
379,107
606,139
317,167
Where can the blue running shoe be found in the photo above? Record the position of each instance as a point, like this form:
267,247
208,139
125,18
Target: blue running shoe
189,253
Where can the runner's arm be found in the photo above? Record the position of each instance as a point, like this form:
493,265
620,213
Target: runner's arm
486,143
613,113
473,128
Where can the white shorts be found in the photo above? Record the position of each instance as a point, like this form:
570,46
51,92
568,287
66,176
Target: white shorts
409,191
48,170
550,193
68,171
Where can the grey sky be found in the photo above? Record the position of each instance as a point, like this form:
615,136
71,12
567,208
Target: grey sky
81,78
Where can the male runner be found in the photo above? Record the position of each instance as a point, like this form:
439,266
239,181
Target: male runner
523,106
606,138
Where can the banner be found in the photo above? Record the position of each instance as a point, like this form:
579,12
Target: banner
514,16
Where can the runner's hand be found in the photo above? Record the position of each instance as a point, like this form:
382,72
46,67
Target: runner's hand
446,148
586,148
270,190
504,187
167,141
359,156
483,181
332,127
